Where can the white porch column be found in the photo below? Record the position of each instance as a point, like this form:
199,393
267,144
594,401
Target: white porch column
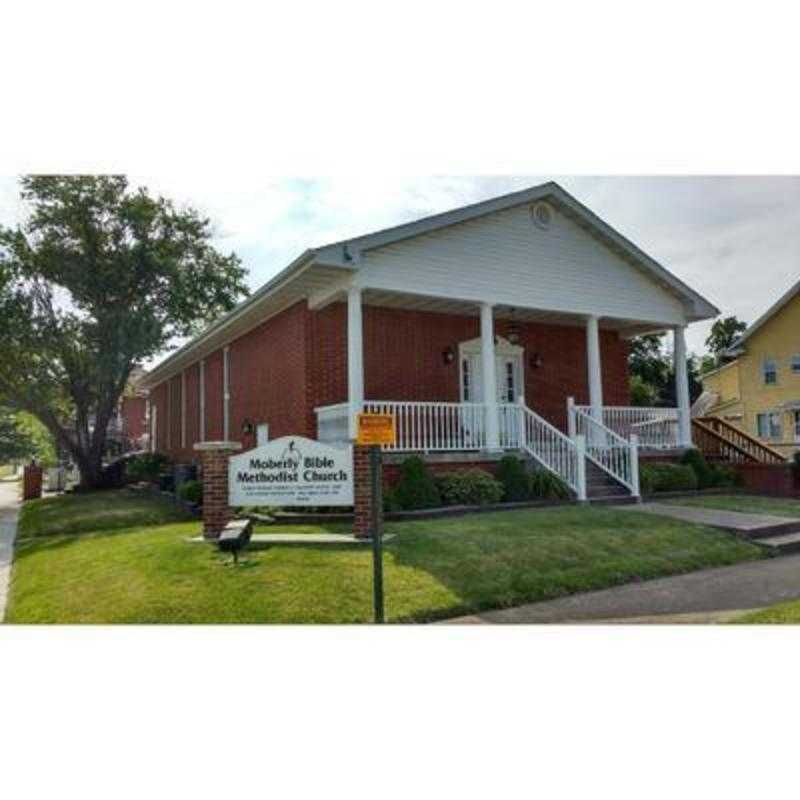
488,377
355,357
594,366
682,387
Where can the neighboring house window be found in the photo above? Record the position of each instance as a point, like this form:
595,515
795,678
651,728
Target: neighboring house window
796,364
770,371
769,425
797,426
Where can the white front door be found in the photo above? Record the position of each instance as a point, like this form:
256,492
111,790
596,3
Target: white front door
508,372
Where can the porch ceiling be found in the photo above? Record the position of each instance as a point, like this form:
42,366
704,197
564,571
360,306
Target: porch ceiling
441,305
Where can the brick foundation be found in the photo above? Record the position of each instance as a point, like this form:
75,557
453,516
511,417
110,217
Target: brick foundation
775,479
214,467
32,483
392,472
362,493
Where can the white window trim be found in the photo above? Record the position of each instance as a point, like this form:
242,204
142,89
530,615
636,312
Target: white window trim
226,396
183,408
768,415
202,401
764,363
169,414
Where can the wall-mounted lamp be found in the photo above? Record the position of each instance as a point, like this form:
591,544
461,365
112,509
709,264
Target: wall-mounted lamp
535,361
448,356
247,427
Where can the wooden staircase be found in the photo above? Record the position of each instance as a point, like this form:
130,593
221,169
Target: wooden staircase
720,441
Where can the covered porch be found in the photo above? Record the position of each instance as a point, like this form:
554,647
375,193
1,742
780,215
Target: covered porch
496,407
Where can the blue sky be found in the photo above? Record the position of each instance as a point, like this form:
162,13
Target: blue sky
734,239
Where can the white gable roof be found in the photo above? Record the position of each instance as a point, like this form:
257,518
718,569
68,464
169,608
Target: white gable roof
321,266
348,253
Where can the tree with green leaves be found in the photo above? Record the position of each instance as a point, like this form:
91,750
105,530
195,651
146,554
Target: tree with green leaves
97,279
652,373
16,443
724,334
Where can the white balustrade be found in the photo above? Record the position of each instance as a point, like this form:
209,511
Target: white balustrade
615,455
553,450
655,428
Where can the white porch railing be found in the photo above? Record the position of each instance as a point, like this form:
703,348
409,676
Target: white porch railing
616,456
552,449
656,428
442,427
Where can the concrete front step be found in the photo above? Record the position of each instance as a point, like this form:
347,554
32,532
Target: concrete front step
780,545
613,500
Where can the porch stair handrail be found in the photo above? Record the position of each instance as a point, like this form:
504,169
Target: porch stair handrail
717,437
616,456
553,450
656,428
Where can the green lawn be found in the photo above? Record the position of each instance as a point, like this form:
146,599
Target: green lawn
782,507
784,614
122,557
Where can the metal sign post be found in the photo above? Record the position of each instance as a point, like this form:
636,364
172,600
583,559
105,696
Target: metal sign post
377,533
375,430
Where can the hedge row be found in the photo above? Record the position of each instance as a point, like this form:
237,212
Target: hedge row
419,488
694,472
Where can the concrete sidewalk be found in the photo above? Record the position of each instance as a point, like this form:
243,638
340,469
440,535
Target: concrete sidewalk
9,512
746,524
706,596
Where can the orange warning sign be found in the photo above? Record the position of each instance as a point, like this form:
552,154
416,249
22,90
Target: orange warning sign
375,429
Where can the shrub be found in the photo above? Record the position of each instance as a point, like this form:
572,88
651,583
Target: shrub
511,473
390,501
469,487
723,475
666,478
796,465
705,475
416,488
546,485
147,466
191,492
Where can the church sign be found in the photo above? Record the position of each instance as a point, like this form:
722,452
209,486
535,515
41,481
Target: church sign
292,471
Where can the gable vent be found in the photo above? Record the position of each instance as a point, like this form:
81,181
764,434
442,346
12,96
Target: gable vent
542,215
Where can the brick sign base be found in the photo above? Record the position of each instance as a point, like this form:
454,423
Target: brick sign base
217,513
32,483
214,466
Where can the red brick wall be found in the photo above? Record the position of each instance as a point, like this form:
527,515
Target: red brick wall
134,416
214,401
775,479
268,369
297,360
327,348
403,360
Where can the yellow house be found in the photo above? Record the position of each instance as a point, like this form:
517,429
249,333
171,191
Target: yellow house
759,392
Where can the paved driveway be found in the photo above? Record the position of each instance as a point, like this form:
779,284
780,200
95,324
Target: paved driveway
706,596
9,511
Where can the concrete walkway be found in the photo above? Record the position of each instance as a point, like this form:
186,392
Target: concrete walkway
9,512
751,525
709,595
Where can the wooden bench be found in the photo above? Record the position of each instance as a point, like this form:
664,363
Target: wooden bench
235,536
